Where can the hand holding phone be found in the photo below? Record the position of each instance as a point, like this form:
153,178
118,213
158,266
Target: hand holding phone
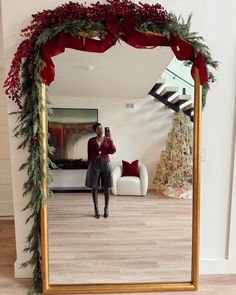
107,132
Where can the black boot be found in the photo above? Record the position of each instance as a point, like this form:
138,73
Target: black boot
95,202
96,212
106,212
107,196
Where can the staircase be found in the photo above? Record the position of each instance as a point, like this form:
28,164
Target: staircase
168,95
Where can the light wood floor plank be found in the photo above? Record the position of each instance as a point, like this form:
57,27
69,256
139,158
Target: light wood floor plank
145,239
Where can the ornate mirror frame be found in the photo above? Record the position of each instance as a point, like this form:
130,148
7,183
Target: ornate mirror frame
132,287
95,28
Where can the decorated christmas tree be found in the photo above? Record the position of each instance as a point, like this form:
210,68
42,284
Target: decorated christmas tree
175,170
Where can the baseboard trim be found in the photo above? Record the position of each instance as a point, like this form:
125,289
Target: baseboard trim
7,218
215,266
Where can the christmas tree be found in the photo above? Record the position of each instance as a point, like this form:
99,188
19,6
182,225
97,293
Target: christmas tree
175,170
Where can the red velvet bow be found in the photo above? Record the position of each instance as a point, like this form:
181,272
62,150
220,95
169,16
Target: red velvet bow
185,51
125,25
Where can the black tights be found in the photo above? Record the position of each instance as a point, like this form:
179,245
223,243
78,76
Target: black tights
95,197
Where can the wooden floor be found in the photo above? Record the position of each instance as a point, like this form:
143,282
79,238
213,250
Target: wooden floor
145,239
209,285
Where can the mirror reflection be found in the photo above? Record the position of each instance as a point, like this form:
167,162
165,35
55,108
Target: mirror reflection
145,97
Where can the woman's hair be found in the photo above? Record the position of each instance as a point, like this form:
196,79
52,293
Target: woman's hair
96,125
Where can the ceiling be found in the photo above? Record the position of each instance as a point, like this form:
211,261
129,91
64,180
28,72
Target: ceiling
122,71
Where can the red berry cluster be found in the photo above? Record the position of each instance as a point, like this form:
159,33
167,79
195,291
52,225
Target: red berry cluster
97,12
13,82
71,11
34,141
153,13
122,8
51,18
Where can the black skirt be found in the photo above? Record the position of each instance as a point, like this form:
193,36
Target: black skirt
99,173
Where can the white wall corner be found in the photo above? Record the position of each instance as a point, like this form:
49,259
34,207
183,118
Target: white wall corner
232,204
232,219
232,231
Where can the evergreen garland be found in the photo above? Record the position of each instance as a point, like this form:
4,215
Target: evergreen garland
23,85
29,130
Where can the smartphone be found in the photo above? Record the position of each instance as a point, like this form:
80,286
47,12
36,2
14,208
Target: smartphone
107,131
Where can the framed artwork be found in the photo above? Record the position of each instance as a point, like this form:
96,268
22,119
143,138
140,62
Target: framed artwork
69,130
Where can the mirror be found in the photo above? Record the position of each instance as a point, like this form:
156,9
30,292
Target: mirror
149,242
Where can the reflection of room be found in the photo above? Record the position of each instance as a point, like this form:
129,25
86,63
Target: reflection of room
143,127
144,132
139,123
148,236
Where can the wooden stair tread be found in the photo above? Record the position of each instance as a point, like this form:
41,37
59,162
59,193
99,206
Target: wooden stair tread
174,103
181,97
168,89
179,102
187,107
188,112
158,84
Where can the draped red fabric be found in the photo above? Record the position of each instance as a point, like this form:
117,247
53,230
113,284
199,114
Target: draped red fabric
140,40
185,51
51,48
199,62
182,49
58,44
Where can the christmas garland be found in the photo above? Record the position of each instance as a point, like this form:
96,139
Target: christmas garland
75,18
23,83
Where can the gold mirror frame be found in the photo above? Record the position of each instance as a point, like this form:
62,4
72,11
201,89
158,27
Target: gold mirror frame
131,287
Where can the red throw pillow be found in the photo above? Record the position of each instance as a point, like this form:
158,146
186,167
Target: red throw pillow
130,169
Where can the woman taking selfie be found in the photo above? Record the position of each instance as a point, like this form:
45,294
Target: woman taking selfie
99,148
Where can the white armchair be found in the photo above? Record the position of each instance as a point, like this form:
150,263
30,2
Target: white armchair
130,185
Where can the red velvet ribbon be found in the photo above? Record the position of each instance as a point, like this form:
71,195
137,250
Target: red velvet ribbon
182,49
145,41
58,44
185,51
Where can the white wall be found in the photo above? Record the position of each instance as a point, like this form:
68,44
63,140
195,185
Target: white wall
6,201
18,178
215,22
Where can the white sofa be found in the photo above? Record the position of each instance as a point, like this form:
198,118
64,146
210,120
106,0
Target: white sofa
130,185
